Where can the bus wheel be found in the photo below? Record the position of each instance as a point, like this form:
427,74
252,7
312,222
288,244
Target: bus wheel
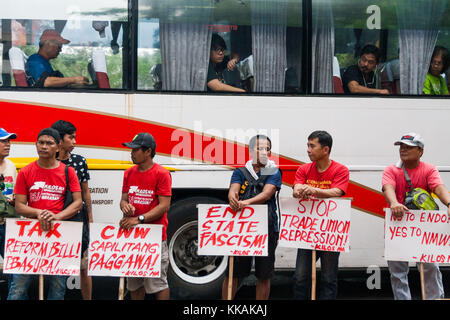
191,276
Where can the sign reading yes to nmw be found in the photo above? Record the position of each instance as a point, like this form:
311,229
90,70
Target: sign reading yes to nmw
316,224
420,236
118,252
29,250
222,231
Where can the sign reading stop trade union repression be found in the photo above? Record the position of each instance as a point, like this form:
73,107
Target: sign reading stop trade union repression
223,231
419,236
118,252
30,250
316,224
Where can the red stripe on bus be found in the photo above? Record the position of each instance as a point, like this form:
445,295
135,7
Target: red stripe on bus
110,131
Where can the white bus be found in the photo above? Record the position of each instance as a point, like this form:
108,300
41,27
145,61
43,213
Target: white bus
150,67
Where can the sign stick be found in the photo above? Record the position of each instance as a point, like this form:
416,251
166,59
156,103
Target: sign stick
230,277
121,287
313,276
422,282
41,287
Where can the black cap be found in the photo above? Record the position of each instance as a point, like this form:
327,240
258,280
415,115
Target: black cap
142,139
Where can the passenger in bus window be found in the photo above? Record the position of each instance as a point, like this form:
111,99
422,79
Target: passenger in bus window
434,82
67,131
38,68
222,72
321,178
363,77
421,175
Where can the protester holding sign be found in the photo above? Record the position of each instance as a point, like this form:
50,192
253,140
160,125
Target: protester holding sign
40,193
146,194
67,132
322,178
256,183
395,186
8,175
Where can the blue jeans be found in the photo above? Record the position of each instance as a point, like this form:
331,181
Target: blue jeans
329,271
2,240
19,284
434,288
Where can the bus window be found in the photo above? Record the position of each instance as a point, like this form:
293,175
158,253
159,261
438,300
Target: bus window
95,30
405,36
175,42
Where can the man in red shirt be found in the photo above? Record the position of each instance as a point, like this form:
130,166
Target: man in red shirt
146,194
423,175
40,193
322,178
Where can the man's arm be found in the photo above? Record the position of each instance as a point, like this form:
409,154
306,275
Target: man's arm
216,85
267,192
152,215
23,209
355,87
304,191
86,196
397,208
127,208
63,82
443,195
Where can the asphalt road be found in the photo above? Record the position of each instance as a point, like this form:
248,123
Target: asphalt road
352,285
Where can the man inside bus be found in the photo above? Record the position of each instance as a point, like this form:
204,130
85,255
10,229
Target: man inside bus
222,73
363,78
40,72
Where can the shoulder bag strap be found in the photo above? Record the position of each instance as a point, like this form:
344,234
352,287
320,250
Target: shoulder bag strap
407,178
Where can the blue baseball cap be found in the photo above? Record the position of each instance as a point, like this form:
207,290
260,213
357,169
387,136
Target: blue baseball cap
6,135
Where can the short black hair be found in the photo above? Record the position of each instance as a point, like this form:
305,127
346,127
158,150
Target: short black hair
50,132
439,50
252,142
324,138
371,49
217,42
64,127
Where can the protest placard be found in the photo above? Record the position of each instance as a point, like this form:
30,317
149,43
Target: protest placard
29,250
316,224
222,231
118,252
419,236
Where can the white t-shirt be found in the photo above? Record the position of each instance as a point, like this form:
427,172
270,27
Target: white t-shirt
10,174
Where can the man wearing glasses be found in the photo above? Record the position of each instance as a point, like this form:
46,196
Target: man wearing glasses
363,77
222,73
38,68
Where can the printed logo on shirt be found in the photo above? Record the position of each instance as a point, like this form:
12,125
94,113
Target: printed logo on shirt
41,191
326,184
140,196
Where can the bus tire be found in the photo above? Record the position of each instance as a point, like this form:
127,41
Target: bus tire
191,276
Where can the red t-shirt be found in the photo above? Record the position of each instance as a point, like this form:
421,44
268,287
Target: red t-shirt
45,188
424,176
336,176
143,189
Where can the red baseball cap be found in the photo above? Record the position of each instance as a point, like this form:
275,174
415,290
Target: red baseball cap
51,34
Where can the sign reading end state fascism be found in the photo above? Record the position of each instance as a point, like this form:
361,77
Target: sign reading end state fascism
222,231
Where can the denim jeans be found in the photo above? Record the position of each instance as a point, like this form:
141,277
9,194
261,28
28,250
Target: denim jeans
434,288
19,284
2,240
328,280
